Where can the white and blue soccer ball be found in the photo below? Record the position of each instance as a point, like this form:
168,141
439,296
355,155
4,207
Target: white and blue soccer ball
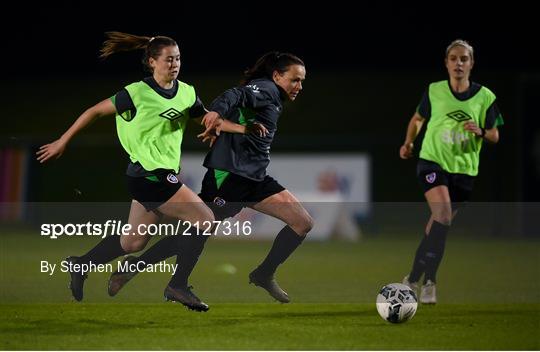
396,303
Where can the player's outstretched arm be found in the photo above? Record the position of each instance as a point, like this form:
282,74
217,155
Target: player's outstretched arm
413,129
56,149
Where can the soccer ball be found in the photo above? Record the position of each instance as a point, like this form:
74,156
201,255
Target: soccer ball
396,303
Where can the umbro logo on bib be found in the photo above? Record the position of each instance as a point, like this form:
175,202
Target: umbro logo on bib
171,114
459,115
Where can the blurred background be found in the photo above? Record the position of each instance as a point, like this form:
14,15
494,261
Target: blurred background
367,68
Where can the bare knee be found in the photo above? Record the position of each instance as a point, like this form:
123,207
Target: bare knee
200,213
133,245
443,217
303,225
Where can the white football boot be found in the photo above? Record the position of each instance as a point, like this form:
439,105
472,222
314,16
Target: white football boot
429,293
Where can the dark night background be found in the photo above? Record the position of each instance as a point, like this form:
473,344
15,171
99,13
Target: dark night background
66,37
367,68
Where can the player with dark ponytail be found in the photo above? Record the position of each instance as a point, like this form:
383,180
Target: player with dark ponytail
237,163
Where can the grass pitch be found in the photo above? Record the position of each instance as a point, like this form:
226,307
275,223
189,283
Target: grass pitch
300,326
488,292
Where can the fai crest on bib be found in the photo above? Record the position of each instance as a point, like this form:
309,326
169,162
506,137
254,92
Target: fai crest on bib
172,178
431,177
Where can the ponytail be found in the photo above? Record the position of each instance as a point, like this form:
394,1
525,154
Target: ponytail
118,42
268,63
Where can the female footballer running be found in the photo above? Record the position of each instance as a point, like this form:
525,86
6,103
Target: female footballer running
151,117
461,115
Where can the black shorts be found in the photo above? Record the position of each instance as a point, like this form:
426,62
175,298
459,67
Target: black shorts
153,191
236,192
431,175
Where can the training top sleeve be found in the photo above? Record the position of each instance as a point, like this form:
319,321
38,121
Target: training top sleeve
197,109
424,107
493,117
122,101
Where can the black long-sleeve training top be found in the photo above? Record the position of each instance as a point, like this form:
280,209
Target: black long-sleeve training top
247,155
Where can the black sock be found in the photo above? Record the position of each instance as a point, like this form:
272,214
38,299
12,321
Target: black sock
191,248
161,250
108,249
435,249
419,264
285,243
